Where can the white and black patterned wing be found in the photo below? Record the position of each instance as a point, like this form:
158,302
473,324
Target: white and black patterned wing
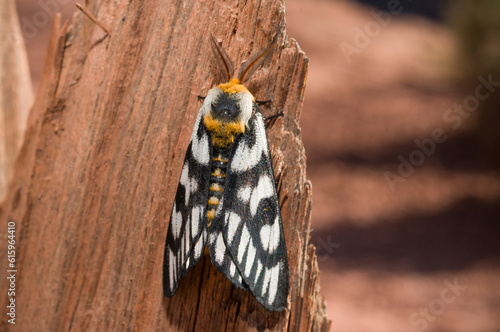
221,256
251,220
186,235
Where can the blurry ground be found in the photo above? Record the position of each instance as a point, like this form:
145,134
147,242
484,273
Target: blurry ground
387,257
422,255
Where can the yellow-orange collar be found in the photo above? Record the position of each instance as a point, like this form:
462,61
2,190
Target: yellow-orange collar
233,86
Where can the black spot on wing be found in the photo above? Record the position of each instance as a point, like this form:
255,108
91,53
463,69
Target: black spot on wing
266,211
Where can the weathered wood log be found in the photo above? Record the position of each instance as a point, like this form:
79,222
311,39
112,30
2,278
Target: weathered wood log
16,94
97,175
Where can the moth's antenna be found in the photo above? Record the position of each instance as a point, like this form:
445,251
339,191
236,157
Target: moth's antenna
249,67
227,68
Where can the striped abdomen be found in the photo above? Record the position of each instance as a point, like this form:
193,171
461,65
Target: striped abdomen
220,159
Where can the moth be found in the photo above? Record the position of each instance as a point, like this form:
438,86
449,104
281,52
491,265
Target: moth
226,203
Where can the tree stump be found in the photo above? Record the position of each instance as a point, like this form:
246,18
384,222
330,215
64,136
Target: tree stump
97,175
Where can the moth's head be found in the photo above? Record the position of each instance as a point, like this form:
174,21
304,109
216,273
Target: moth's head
229,102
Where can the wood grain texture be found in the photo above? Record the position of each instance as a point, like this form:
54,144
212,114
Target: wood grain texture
16,94
96,180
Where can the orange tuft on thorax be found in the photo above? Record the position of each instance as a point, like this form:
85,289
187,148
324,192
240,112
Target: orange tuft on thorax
233,86
223,134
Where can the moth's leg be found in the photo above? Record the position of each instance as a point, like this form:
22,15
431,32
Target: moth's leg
201,98
274,116
263,102
268,121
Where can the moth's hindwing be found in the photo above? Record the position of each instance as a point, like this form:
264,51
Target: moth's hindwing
186,235
246,238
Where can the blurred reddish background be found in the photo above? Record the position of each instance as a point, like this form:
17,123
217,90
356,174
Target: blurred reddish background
402,148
